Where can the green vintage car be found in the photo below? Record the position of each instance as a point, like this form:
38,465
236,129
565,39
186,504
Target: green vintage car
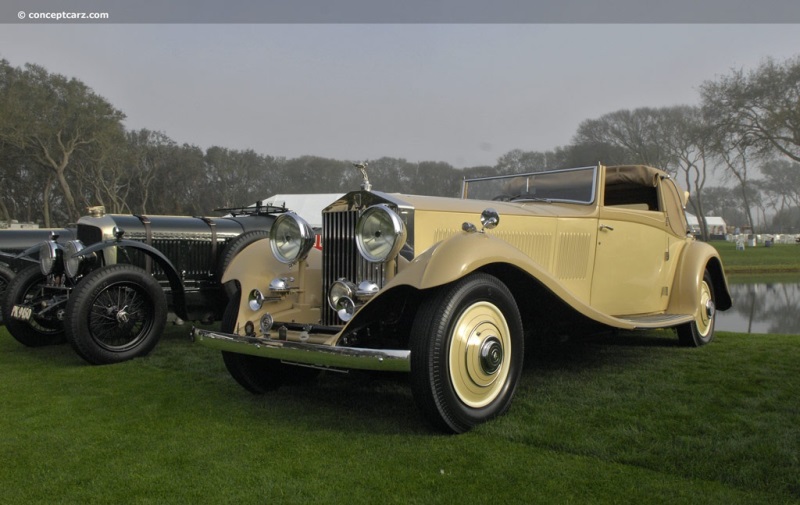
452,290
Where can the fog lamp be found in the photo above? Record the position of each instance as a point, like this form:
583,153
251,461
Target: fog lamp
340,299
255,300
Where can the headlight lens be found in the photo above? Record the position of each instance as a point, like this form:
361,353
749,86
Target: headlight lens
340,299
380,234
291,237
72,264
49,255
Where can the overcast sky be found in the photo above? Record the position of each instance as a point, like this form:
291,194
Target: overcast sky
464,94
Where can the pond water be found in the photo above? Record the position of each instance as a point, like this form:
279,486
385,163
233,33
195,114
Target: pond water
760,307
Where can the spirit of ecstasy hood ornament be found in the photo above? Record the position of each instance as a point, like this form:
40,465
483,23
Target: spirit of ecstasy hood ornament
362,167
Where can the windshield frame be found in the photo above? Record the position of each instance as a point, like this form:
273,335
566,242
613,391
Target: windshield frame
548,174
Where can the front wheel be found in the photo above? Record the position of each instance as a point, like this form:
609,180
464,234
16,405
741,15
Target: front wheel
32,312
466,353
254,373
701,331
116,313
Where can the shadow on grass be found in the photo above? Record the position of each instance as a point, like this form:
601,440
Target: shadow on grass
597,350
59,355
357,402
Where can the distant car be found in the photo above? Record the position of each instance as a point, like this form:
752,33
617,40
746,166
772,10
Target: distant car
108,288
415,284
16,242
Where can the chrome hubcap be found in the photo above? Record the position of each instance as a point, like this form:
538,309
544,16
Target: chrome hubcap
491,355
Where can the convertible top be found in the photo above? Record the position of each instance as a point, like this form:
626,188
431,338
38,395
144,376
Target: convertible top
640,175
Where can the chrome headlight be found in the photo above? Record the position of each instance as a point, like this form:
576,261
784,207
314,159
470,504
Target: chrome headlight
291,237
50,254
341,298
380,234
72,264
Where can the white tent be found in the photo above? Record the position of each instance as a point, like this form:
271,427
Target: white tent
307,206
716,225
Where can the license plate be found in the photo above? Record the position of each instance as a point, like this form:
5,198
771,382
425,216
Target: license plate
21,312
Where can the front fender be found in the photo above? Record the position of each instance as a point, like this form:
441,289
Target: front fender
254,267
174,278
453,258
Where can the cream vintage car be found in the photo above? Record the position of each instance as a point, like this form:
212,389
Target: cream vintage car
451,290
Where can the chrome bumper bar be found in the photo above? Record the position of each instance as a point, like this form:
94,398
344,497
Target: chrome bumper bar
326,356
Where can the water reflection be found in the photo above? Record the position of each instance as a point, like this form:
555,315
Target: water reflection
762,308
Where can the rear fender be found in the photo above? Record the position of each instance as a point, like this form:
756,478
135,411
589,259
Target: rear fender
696,258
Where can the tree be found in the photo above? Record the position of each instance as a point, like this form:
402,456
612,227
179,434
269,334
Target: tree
724,202
685,137
52,119
758,108
633,137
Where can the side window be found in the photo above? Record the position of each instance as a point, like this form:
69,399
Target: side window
673,204
632,196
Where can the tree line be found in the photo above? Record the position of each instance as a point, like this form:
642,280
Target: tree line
64,148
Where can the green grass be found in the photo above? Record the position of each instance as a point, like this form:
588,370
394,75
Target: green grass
754,260
616,419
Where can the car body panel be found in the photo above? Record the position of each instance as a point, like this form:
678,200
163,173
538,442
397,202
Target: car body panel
623,265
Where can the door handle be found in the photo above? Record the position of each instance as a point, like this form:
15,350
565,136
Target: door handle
606,227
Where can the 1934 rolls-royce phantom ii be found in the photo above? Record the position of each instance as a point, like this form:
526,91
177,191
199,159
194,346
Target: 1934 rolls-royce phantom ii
108,289
451,290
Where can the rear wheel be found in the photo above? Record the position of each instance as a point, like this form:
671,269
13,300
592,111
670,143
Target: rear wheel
6,274
254,373
466,353
701,331
43,326
116,313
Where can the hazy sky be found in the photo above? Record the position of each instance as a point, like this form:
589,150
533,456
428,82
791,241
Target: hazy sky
464,94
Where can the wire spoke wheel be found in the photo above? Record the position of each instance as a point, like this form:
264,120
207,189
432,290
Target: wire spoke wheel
120,317
44,326
116,313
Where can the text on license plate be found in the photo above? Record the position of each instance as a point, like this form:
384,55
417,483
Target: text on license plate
21,312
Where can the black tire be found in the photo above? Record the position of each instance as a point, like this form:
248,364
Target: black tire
6,274
41,329
254,373
115,313
233,248
701,331
467,351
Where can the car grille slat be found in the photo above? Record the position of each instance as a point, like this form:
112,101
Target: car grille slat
341,259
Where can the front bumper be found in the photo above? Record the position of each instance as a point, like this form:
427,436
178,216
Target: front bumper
320,355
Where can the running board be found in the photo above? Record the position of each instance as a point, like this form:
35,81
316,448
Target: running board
657,320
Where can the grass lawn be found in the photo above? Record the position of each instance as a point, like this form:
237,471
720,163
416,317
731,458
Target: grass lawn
754,260
628,418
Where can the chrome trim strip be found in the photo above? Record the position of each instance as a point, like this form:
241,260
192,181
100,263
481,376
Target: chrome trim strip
385,360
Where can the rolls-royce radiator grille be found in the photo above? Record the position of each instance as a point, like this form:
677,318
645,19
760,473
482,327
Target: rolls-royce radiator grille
341,259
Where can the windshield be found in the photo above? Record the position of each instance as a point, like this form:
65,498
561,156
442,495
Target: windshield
575,185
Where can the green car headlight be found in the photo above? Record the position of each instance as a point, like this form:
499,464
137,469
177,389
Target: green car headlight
291,238
72,264
50,254
380,234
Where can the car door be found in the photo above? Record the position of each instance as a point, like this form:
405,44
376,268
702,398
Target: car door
631,261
